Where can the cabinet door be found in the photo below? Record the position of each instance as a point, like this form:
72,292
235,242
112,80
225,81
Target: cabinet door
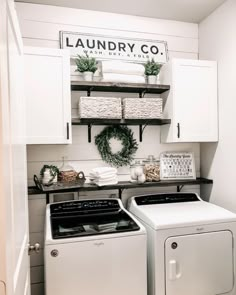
48,102
199,264
195,101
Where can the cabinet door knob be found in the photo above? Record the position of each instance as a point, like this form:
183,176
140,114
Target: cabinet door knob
67,130
178,130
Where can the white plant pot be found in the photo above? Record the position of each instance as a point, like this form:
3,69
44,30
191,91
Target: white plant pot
48,178
158,79
88,76
152,79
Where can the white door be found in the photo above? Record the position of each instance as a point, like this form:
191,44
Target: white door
195,100
199,264
14,269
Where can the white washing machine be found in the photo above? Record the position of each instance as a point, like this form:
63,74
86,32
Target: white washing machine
190,244
94,247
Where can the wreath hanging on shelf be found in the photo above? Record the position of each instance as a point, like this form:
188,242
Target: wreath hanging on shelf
125,135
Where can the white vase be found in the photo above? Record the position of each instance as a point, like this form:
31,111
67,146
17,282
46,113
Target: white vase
48,178
152,79
88,76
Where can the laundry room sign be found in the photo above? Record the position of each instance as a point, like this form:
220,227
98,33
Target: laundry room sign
106,47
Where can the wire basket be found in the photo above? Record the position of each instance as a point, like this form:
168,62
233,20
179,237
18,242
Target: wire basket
142,108
100,107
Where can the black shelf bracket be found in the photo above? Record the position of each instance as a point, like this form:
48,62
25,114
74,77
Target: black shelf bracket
89,91
179,188
120,193
141,130
142,93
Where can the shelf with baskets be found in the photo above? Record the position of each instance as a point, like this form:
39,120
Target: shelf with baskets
119,87
141,89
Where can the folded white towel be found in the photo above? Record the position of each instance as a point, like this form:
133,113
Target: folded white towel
103,170
120,67
103,176
110,77
101,180
110,182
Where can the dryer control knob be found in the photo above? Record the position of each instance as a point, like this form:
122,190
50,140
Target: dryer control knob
54,253
174,245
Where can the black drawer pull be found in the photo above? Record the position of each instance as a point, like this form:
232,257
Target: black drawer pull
178,130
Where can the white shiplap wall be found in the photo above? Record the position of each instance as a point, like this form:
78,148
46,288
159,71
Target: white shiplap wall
40,26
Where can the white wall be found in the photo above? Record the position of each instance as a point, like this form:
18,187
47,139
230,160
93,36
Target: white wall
217,41
40,26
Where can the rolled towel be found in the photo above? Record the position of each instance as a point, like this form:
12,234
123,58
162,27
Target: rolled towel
110,77
120,67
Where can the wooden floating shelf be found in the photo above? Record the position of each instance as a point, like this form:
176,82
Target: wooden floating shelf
120,186
142,123
119,87
121,122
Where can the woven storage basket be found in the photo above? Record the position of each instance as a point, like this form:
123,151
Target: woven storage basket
100,107
142,108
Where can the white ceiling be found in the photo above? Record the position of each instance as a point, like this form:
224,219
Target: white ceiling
181,10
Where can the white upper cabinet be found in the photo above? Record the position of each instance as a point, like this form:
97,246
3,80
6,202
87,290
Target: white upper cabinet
192,102
48,96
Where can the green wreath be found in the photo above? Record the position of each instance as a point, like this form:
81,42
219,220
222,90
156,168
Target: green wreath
130,146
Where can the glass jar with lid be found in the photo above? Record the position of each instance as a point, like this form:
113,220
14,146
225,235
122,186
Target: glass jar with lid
137,172
152,168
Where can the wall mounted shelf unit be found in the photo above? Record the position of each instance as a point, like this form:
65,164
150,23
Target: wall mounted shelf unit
120,186
133,122
141,89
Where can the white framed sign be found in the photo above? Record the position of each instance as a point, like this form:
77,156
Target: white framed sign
107,47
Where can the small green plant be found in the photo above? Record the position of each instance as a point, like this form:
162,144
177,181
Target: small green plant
52,169
152,68
86,64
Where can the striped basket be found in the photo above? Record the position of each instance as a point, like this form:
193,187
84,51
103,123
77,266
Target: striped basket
100,107
142,108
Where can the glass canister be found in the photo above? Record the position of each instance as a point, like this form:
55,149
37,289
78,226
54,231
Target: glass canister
66,172
137,172
152,168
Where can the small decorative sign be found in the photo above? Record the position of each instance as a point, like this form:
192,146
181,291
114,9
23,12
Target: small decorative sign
116,48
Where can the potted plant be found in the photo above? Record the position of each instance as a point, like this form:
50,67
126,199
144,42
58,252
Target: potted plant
87,66
152,70
49,174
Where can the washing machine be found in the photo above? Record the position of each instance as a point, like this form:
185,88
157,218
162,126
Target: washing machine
190,244
94,247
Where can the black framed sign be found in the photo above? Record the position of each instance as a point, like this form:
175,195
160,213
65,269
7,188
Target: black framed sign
116,48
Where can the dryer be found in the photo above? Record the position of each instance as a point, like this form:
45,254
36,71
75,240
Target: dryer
94,247
190,244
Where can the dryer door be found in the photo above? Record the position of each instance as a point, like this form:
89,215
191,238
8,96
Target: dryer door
199,264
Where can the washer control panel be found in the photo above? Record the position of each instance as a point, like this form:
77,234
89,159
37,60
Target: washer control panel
85,206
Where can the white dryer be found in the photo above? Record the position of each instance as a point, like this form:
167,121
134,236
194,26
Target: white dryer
190,244
94,247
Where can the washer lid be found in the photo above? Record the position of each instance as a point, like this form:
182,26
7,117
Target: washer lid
89,217
180,213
